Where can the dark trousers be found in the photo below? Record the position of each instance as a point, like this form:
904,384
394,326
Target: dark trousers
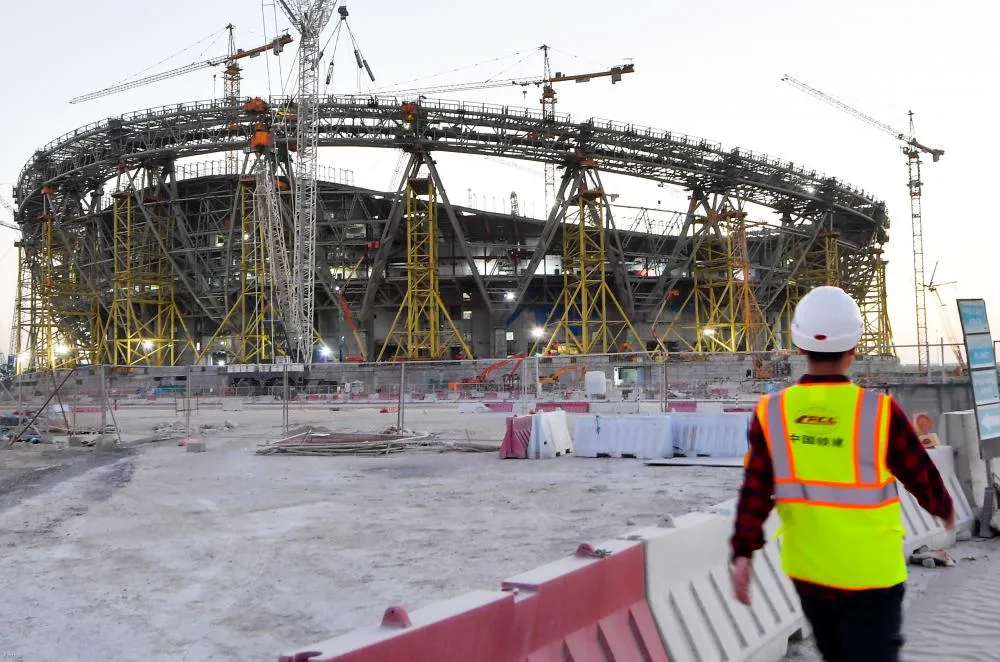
859,626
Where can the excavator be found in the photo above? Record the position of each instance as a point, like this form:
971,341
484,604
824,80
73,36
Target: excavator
554,378
509,380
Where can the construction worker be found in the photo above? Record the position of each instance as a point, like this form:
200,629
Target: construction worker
827,454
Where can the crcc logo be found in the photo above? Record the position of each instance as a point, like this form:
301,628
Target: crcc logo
808,419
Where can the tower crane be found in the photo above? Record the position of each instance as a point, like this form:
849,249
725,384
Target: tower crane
13,212
548,98
231,73
913,150
309,17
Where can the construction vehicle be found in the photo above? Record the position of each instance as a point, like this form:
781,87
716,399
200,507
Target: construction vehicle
557,375
508,380
912,148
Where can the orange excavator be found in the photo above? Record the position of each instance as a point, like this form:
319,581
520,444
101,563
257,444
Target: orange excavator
554,378
509,378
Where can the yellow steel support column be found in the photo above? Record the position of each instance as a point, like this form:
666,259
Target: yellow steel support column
428,330
144,321
727,315
251,309
877,338
587,317
821,266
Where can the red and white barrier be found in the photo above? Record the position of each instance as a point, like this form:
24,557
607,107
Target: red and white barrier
516,438
579,608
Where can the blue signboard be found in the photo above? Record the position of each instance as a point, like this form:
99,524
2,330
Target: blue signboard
984,386
972,313
982,373
980,350
989,421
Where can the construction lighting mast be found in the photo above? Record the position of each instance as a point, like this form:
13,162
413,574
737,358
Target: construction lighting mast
309,17
913,149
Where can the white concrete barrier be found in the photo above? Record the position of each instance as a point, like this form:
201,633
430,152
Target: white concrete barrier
962,433
688,590
643,437
549,436
944,458
716,435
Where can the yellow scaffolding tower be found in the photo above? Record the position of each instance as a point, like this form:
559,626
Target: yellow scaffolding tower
587,317
251,315
727,314
143,324
427,330
877,338
68,306
820,266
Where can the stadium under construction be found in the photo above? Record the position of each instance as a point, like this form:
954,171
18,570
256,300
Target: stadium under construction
139,249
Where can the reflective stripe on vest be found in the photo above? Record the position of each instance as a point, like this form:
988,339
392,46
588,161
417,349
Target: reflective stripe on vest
866,444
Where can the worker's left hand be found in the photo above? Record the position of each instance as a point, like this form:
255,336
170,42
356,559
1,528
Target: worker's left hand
739,575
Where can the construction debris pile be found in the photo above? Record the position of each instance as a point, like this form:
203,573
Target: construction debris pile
331,443
392,440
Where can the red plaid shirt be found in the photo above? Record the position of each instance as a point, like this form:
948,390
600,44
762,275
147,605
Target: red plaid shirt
907,460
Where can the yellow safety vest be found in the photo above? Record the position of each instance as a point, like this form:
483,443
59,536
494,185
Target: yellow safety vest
838,502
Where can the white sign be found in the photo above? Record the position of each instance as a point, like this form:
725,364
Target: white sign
982,371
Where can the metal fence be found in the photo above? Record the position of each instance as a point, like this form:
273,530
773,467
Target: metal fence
622,377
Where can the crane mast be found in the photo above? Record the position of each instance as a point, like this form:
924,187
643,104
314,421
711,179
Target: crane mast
309,17
912,148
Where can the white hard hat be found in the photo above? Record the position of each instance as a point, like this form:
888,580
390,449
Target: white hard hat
827,320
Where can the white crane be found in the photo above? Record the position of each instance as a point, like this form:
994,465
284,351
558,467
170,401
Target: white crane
912,148
309,17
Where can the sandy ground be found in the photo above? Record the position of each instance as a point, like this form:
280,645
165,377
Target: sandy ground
158,554
162,554
949,612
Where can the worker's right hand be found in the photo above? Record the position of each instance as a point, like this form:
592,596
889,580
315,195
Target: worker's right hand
949,522
739,575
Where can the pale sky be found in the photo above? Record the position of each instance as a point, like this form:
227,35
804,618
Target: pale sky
711,69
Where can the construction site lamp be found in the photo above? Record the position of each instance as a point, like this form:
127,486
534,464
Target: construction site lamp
509,296
538,332
148,345
62,350
325,351
708,332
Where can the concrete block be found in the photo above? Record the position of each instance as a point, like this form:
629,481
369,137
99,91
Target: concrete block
961,433
106,443
195,446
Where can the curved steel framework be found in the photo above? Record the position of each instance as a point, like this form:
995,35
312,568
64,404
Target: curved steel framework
76,299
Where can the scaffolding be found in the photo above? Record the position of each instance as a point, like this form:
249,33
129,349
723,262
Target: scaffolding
820,266
422,327
250,315
587,317
877,337
144,326
727,315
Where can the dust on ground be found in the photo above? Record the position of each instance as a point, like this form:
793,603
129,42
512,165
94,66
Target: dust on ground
164,554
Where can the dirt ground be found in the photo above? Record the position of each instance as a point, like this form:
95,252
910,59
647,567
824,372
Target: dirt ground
160,554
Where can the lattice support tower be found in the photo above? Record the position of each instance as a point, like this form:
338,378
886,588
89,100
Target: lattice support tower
422,327
587,318
727,316
919,284
144,326
821,265
877,339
